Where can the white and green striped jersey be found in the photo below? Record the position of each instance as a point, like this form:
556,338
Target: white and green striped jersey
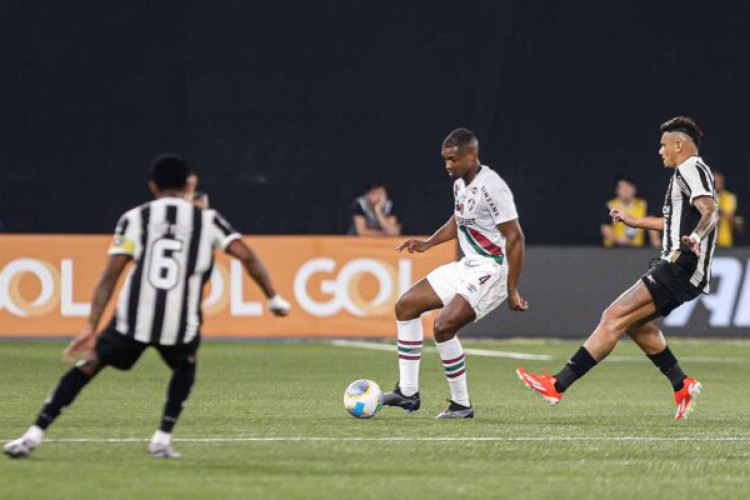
479,208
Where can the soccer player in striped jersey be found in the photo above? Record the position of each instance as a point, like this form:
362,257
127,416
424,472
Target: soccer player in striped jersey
485,222
172,243
682,273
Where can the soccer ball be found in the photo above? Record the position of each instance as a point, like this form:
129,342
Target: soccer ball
363,398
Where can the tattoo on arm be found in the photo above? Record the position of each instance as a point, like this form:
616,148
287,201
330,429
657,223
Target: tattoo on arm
709,216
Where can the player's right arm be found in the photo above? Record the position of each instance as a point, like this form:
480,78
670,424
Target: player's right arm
648,222
447,232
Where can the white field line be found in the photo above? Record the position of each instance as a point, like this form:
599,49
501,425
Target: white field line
539,357
473,352
412,439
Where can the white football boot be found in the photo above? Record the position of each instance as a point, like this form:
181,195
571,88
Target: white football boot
25,445
161,446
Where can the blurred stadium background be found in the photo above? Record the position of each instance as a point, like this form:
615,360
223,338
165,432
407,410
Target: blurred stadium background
287,118
287,110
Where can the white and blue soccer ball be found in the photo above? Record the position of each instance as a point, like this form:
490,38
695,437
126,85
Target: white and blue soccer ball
363,398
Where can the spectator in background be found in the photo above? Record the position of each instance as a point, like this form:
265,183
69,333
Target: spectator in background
618,234
372,214
729,222
199,199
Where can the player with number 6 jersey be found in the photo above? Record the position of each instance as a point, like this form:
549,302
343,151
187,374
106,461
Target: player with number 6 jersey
172,243
485,221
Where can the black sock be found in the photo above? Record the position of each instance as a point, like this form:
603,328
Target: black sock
670,367
177,394
66,391
575,368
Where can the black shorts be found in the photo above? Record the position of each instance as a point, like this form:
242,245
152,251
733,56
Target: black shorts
669,283
115,349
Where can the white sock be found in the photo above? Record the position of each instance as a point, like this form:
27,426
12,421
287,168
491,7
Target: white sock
452,356
161,437
410,338
35,433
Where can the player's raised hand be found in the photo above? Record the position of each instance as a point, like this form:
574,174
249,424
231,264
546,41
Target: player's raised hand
620,216
516,302
83,344
694,243
413,245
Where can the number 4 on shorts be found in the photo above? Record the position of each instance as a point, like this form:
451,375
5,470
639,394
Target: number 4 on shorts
484,279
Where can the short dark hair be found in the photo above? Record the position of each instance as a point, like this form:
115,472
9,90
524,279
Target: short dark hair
686,125
624,178
374,185
169,171
460,137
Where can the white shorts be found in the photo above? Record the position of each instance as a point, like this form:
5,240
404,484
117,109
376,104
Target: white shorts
481,281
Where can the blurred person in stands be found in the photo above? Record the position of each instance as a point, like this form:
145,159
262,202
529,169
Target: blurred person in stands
372,214
617,234
729,222
198,198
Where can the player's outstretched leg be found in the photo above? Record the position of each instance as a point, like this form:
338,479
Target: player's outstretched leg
418,299
630,308
180,385
457,313
651,340
61,397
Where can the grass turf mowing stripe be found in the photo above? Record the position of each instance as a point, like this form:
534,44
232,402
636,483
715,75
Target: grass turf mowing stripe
474,352
252,439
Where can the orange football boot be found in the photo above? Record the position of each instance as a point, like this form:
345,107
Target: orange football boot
685,397
544,385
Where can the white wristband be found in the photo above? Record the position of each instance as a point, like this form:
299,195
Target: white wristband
694,236
276,303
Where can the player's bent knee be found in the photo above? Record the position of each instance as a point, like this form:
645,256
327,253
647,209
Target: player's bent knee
444,329
612,322
90,366
405,309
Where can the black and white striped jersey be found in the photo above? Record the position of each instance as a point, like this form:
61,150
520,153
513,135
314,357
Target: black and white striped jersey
172,243
691,179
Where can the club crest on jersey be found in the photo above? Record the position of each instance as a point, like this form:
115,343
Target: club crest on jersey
470,204
460,207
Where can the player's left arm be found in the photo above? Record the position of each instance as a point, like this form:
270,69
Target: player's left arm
709,219
85,341
259,274
515,243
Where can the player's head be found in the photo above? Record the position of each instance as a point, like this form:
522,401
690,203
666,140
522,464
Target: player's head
460,152
681,137
625,189
375,192
169,173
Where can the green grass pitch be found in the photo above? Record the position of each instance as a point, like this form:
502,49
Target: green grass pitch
612,437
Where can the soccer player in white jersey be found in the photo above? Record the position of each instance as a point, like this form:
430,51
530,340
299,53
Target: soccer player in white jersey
172,243
682,273
485,222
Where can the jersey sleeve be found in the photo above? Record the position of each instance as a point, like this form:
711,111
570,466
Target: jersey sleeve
697,178
125,241
221,232
357,209
500,201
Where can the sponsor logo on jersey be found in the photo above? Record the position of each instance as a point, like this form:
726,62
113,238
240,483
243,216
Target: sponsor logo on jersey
465,222
490,202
